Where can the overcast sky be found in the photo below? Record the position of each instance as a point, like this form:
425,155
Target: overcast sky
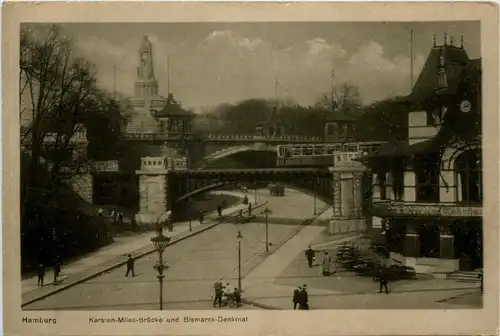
215,63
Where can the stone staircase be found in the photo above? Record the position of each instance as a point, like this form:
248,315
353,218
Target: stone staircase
464,276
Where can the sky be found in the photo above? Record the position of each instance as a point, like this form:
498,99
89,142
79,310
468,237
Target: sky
214,63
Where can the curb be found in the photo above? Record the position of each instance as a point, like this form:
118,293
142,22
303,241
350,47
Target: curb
145,251
260,305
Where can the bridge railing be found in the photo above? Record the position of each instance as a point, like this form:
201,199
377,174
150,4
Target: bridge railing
325,149
253,137
79,137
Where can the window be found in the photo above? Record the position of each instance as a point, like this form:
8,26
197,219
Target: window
332,130
381,182
398,180
469,171
427,176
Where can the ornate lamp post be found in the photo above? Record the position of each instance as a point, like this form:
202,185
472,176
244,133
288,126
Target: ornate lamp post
160,242
266,212
239,238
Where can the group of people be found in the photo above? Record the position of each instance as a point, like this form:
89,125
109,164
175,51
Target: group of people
224,295
327,265
328,268
40,272
300,298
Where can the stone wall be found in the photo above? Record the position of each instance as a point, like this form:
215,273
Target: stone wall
82,185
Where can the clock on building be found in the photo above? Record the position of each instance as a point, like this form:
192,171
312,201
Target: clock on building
465,106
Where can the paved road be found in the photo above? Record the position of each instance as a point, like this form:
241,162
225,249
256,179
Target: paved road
195,264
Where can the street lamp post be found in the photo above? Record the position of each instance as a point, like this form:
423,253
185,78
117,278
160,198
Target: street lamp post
239,237
255,194
314,194
266,212
160,242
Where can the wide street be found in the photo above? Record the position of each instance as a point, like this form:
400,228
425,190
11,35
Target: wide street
195,264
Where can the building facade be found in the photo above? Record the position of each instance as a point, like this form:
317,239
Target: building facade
427,190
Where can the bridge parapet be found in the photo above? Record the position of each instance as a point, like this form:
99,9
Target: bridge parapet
105,166
157,164
347,159
79,137
253,137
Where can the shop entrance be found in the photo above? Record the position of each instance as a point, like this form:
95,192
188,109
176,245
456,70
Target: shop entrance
468,244
428,235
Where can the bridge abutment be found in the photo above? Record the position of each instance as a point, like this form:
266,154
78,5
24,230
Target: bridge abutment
347,198
154,187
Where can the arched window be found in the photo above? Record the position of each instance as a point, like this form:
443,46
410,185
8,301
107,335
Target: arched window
469,176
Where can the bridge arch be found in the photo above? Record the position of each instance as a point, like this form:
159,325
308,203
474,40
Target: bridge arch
293,186
228,151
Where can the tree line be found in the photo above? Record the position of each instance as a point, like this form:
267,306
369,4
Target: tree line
383,120
59,97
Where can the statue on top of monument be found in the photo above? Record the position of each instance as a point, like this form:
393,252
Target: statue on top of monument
145,70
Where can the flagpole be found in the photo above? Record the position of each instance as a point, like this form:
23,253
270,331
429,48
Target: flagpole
114,81
411,59
168,74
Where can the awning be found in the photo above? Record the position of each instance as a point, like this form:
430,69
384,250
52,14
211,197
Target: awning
402,149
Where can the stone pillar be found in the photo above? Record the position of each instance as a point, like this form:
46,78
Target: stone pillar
83,185
337,204
358,195
153,189
412,241
446,242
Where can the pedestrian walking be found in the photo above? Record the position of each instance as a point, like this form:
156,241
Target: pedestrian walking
249,209
245,200
218,294
296,297
237,296
219,210
327,262
56,269
159,227
480,276
114,215
120,217
130,266
40,274
202,217
383,280
303,298
310,255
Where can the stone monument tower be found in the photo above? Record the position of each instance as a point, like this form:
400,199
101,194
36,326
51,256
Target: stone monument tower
146,97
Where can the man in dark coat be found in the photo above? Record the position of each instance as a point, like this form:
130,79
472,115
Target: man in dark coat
218,294
56,269
40,273
296,297
480,276
130,266
219,210
383,280
310,253
303,299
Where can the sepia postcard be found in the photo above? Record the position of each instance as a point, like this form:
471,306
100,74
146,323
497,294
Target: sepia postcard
250,168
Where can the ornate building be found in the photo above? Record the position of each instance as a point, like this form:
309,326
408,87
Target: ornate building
427,190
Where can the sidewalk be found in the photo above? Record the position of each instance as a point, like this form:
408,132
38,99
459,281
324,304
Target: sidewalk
271,284
111,256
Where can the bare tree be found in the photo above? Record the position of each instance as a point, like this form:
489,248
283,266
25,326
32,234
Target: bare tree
58,89
344,98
